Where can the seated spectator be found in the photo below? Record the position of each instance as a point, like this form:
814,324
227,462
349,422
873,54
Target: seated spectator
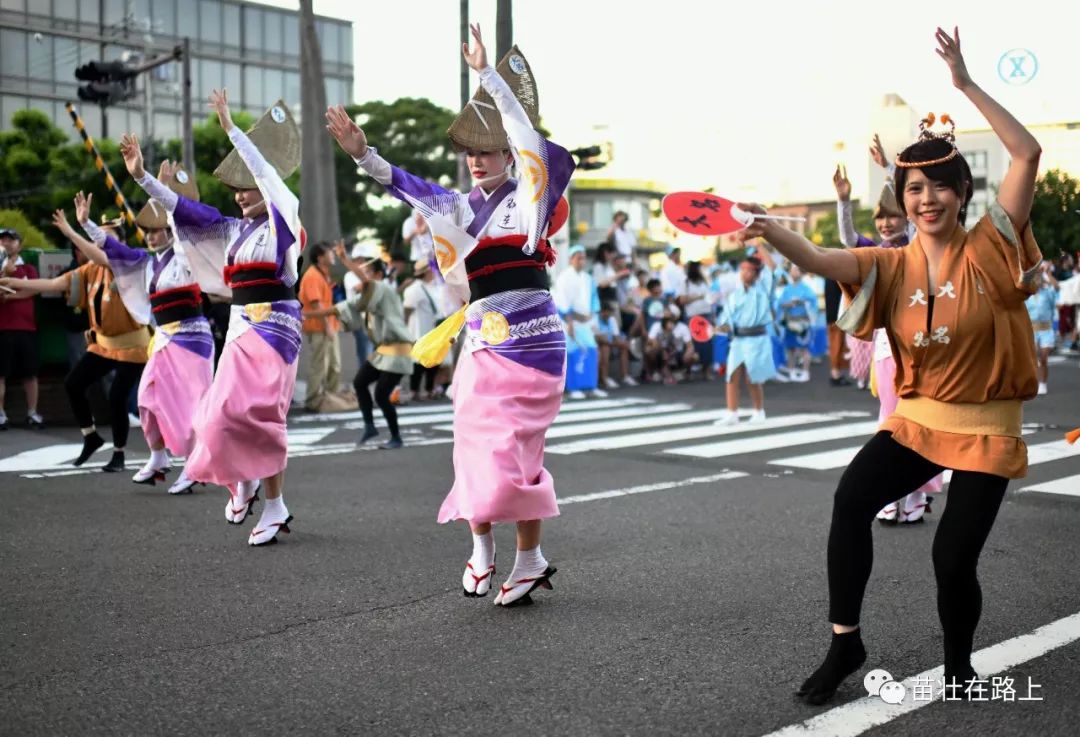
609,337
653,308
670,349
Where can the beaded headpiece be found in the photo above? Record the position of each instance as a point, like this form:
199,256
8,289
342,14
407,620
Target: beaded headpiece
925,134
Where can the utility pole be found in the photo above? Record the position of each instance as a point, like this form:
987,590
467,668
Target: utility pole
504,28
463,178
185,83
318,185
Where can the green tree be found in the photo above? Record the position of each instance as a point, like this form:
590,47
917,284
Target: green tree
31,236
827,231
1055,213
409,133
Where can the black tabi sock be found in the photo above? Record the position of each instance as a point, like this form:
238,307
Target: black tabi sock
846,655
90,443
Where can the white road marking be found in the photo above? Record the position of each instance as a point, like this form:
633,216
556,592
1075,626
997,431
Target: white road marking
841,457
445,408
647,488
562,418
709,430
775,440
1068,486
868,712
665,414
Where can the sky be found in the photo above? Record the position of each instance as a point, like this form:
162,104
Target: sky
750,98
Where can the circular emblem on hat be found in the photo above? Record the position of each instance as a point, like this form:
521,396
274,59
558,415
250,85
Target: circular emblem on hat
277,114
445,254
494,329
1018,66
517,64
182,177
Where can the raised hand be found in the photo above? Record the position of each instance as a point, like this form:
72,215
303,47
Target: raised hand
877,153
949,50
346,132
132,153
841,183
82,207
59,219
219,103
167,171
476,57
340,252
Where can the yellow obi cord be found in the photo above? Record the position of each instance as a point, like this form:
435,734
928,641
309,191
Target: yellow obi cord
873,379
431,349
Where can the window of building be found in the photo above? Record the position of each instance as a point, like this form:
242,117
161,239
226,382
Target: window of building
211,76
16,5
328,39
231,78
231,26
346,45
273,32
163,13
9,105
253,87
210,21
166,126
583,213
273,86
65,58
291,41
252,22
292,88
88,51
976,159
115,12
141,10
13,52
40,61
89,11
187,21
66,9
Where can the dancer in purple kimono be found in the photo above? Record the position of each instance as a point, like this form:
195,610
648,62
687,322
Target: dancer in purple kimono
509,381
240,426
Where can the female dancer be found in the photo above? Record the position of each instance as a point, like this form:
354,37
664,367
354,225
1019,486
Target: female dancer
240,425
892,227
508,385
157,284
952,303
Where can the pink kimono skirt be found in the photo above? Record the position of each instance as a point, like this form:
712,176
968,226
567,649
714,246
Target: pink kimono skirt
861,355
502,410
173,384
240,424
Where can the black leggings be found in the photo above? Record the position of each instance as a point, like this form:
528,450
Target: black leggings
384,387
88,370
422,372
883,472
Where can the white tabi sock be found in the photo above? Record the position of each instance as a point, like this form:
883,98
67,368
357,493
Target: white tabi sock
274,510
159,459
246,489
483,552
528,564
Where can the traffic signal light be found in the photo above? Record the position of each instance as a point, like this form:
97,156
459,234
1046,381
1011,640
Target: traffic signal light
108,82
587,158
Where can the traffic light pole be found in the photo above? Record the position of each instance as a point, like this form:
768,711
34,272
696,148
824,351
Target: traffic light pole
189,139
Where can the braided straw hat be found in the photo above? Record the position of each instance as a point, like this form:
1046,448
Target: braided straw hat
277,137
478,127
887,204
153,215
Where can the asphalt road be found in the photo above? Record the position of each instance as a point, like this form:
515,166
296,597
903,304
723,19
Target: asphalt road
690,600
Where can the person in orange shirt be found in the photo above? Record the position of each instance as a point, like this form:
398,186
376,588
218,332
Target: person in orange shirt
321,326
116,342
952,306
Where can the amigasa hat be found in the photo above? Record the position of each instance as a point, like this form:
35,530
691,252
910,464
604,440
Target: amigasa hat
478,127
277,137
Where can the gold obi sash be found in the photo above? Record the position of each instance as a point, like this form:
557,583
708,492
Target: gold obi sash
135,339
995,417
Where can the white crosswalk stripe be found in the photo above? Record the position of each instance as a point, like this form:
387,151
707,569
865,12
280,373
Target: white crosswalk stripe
623,423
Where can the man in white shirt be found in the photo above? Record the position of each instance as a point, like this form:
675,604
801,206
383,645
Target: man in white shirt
421,300
624,239
573,295
416,233
673,275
